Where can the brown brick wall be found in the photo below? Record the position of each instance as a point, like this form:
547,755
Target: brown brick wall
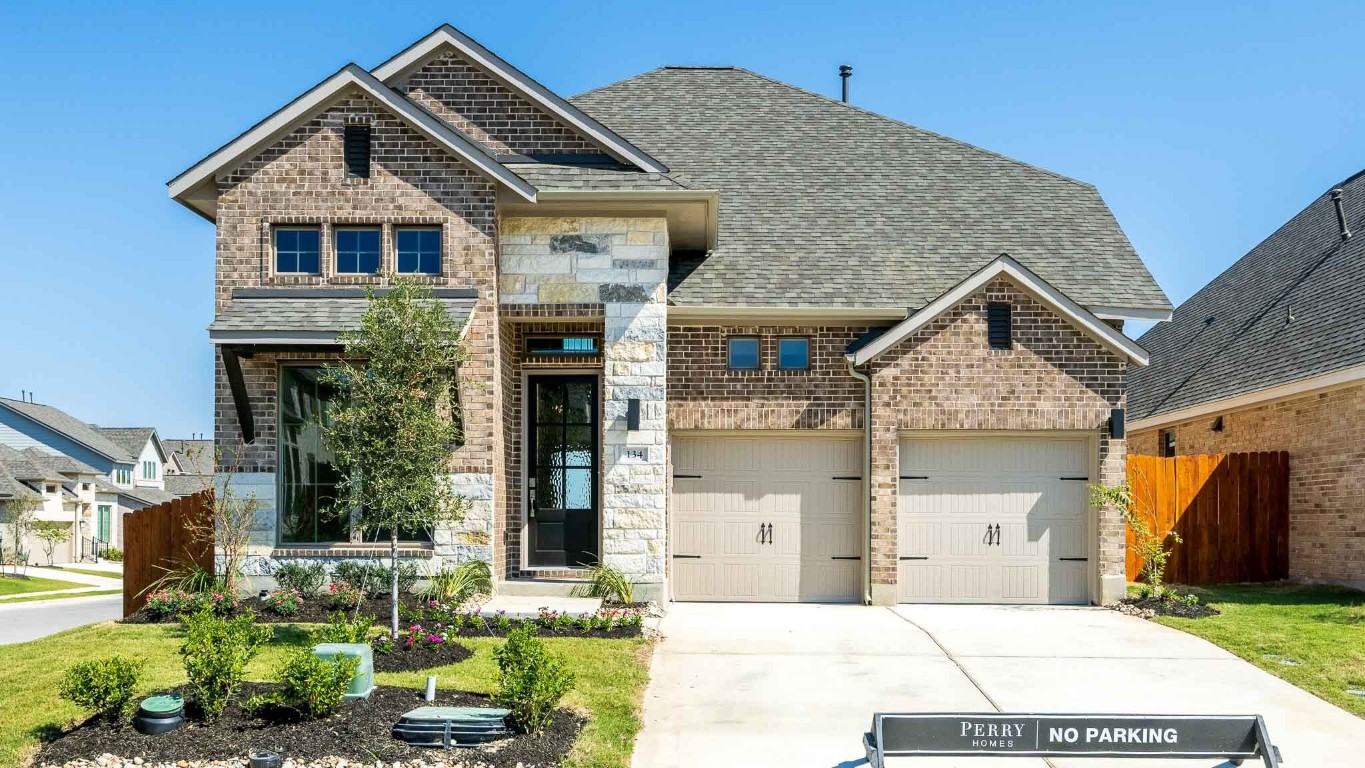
1324,433
302,180
945,377
704,394
487,111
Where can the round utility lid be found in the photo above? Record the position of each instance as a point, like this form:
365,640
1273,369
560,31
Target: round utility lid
163,703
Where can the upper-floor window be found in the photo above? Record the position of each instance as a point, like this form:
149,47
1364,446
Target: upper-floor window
419,250
296,250
742,353
149,470
123,476
52,489
357,250
793,353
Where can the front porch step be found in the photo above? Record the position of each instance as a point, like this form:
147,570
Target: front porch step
535,587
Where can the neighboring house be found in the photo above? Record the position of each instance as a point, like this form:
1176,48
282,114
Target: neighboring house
190,468
66,489
129,463
675,289
1270,356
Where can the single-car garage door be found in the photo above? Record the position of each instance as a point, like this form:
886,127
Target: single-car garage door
766,518
993,520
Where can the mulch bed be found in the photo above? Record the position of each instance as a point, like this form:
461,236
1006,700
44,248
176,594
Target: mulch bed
357,731
1147,607
416,658
313,611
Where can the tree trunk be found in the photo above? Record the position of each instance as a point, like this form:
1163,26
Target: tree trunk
393,583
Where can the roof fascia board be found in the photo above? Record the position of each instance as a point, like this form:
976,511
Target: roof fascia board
1131,313
681,315
518,81
319,96
319,338
1334,380
1030,283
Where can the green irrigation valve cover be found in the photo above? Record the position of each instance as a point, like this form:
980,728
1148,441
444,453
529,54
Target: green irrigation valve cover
457,713
163,704
362,685
452,726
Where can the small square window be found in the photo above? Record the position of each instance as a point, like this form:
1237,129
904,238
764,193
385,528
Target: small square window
419,251
296,250
357,251
793,353
742,353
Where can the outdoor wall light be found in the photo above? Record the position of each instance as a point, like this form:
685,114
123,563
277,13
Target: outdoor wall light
1217,425
633,414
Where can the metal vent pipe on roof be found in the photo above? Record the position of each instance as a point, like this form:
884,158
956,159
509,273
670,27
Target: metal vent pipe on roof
1341,213
845,72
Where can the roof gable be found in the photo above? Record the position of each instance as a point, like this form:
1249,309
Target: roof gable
69,427
1004,266
446,37
193,186
827,205
1287,311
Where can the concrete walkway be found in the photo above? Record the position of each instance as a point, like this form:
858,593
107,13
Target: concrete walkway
796,685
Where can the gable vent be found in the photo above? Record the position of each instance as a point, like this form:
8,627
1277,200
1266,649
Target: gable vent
998,333
357,150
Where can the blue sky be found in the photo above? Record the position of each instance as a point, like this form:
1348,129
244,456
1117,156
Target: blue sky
1205,126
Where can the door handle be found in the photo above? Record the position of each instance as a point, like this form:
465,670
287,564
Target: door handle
997,534
770,533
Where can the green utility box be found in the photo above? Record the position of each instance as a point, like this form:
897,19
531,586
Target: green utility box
363,682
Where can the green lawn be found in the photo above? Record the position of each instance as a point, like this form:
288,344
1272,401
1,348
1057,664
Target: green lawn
611,676
94,572
67,596
11,585
1321,630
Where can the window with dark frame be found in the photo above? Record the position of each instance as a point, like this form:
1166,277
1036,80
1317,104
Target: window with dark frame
419,250
793,353
1167,440
297,249
561,345
357,250
999,334
741,353
356,148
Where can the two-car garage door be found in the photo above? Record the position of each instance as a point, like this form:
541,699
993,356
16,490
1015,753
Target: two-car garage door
990,518
993,520
766,518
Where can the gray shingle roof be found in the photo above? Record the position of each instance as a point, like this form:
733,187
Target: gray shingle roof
185,485
147,496
192,457
824,204
311,312
1250,343
131,438
36,464
11,487
65,424
551,177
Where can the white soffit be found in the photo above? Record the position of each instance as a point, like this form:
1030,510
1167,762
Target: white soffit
1030,283
320,96
469,49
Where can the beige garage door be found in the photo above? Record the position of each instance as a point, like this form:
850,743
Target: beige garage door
993,520
766,518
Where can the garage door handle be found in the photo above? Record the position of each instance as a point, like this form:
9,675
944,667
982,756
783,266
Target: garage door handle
770,533
1074,559
847,557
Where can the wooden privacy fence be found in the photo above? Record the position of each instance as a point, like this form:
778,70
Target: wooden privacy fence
158,539
1231,510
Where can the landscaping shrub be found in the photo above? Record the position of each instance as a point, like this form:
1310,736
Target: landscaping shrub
368,577
458,584
174,600
607,583
103,686
309,686
343,595
284,602
113,555
343,629
305,578
216,652
531,679
407,578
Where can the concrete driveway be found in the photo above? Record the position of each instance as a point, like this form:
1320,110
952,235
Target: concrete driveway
796,685
22,622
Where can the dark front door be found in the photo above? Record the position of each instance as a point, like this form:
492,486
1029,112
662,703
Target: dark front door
563,471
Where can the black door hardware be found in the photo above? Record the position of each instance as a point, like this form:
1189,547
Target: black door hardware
687,477
847,477
997,534
687,557
1073,478
847,557
1074,559
912,557
770,533
914,477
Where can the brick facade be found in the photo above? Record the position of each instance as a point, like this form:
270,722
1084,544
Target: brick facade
1324,433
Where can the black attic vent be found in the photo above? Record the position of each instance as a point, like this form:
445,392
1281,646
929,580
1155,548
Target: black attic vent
357,150
998,333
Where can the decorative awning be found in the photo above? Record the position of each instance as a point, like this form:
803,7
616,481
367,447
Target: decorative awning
309,316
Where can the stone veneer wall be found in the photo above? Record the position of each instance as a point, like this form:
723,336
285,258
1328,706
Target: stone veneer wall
620,264
1324,433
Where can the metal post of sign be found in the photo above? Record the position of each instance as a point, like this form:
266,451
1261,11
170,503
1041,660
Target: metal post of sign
979,734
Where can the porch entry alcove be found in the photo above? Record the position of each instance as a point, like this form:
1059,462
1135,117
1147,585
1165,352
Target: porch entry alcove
562,472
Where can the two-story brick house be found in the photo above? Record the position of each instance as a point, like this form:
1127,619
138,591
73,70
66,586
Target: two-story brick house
682,294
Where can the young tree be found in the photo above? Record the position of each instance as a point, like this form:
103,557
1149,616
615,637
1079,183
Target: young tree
229,524
394,421
18,516
50,533
1149,541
